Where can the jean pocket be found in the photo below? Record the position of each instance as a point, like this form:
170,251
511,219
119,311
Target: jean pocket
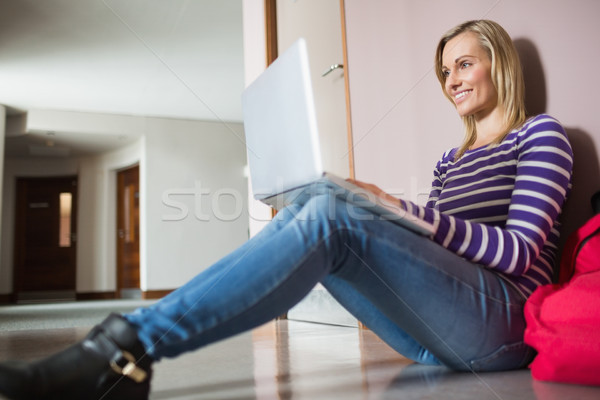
509,356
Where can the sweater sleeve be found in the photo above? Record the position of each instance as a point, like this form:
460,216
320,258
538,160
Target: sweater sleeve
543,173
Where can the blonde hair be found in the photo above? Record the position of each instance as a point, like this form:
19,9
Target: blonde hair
506,75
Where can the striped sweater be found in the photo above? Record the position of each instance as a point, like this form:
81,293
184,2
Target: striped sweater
498,205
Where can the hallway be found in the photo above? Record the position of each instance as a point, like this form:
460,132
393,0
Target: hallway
280,360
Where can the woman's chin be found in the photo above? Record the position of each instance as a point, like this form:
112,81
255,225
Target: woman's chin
463,114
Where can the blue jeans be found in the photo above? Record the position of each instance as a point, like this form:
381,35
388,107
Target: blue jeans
427,303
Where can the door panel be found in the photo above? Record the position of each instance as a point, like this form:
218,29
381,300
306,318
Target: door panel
128,230
320,23
45,233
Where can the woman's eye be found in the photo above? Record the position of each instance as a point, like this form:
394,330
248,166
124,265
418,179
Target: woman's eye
446,73
465,65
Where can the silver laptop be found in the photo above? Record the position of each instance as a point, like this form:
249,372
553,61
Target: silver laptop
282,139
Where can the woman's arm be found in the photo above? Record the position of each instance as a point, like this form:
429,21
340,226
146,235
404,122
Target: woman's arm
377,191
543,172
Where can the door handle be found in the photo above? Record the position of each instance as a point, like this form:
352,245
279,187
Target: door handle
332,68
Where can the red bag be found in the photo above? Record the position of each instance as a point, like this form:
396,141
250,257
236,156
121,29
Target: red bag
581,253
563,321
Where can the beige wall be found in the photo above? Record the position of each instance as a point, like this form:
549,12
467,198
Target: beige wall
401,121
194,201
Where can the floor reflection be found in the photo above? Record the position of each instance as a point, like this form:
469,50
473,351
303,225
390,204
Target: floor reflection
287,360
294,360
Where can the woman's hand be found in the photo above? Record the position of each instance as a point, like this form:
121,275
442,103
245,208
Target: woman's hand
377,191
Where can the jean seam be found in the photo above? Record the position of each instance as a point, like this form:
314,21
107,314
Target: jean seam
501,351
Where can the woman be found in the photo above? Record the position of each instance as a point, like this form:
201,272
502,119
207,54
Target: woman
454,299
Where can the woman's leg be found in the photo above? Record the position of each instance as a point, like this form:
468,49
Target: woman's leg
110,363
428,303
373,317
260,280
458,311
410,291
479,334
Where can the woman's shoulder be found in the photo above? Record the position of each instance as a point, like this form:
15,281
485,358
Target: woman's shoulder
540,123
541,130
447,157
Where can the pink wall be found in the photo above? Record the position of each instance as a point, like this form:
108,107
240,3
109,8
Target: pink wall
401,121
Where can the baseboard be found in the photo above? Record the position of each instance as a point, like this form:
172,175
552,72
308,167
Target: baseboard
155,294
96,295
146,295
44,296
10,297
7,298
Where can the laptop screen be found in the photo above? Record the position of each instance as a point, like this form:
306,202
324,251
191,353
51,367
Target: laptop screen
281,126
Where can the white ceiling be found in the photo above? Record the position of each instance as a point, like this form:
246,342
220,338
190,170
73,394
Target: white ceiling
161,58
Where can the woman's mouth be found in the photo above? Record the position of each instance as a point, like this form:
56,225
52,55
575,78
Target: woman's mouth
459,96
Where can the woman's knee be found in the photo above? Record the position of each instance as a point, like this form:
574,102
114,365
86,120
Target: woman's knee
321,207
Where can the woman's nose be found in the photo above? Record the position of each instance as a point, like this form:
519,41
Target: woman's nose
452,82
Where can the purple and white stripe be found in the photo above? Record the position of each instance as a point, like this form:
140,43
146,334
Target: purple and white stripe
499,205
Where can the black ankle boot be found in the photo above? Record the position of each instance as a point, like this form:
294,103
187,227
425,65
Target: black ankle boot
110,363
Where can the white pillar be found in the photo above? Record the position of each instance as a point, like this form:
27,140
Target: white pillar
3,274
255,62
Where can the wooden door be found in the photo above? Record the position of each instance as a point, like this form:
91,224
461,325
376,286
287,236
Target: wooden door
45,235
128,230
321,24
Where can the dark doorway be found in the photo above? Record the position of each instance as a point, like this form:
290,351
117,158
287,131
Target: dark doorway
128,233
45,239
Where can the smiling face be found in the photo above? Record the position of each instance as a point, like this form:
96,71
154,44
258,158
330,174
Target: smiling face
467,70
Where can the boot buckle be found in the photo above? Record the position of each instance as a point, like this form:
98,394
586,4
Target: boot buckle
129,370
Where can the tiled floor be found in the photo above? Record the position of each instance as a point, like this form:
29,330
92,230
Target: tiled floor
299,360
